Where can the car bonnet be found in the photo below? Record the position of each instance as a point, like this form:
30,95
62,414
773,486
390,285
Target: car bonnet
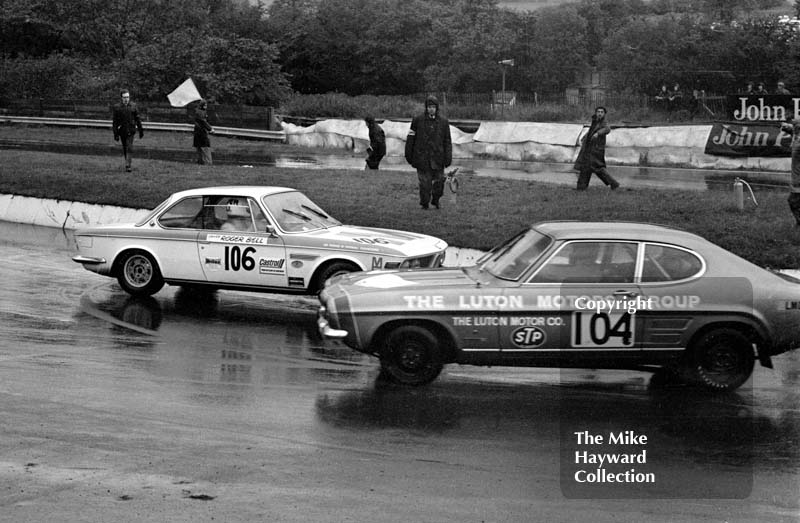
364,239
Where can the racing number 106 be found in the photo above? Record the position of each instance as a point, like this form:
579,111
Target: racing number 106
601,329
236,258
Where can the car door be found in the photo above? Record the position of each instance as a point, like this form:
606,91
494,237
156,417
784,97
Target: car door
578,306
174,240
239,247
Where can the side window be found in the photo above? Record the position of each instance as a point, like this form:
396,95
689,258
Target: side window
239,214
590,262
260,220
186,214
662,263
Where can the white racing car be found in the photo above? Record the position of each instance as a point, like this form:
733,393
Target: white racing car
269,239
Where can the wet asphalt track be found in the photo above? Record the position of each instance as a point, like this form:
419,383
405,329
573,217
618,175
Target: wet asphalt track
229,407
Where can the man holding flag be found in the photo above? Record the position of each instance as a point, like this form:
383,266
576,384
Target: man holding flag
182,96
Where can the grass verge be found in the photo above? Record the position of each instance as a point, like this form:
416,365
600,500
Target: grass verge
486,209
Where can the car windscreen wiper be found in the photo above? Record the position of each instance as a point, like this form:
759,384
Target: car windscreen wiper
317,212
298,214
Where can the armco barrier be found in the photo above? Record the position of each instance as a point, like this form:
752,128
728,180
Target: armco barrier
256,134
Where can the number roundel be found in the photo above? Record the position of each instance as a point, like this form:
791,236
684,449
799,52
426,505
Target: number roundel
237,258
602,329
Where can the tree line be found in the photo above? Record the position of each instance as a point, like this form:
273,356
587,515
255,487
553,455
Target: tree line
244,53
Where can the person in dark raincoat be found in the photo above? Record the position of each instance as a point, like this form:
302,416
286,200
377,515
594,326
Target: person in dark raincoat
592,155
202,129
429,150
124,123
377,143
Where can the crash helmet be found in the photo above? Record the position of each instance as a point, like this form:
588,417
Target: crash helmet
237,210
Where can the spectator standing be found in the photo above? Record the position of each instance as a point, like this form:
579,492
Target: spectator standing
124,123
749,90
202,129
761,90
592,155
429,150
793,128
377,143
662,98
675,98
781,89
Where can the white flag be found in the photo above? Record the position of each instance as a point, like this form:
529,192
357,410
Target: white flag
185,94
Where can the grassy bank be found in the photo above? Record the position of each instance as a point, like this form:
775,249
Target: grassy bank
152,139
486,210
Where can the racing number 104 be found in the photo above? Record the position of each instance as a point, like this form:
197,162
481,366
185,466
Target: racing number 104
602,329
236,258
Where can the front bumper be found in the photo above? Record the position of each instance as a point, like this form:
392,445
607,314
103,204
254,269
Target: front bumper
325,330
88,260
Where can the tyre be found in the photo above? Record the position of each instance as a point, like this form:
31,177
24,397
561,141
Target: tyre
411,355
138,274
334,269
722,359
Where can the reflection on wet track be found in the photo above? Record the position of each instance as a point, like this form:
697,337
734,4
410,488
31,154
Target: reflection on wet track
250,371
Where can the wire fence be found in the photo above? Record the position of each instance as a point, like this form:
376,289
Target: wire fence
508,105
244,116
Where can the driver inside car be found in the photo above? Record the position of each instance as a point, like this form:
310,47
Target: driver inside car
238,218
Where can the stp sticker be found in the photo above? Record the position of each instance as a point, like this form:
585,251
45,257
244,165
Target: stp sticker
528,337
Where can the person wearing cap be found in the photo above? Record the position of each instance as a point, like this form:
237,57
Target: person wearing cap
201,131
125,122
592,155
793,127
377,143
429,150
781,89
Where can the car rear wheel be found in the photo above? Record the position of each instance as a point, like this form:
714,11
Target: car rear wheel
411,355
722,359
138,274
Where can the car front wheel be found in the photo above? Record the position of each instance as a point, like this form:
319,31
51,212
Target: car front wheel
411,355
138,274
722,359
334,269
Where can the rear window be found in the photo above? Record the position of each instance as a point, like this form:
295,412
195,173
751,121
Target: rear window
664,263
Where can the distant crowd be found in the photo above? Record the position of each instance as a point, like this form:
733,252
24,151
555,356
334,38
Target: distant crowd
674,99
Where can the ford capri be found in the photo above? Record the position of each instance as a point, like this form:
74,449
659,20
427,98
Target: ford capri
574,295
270,239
